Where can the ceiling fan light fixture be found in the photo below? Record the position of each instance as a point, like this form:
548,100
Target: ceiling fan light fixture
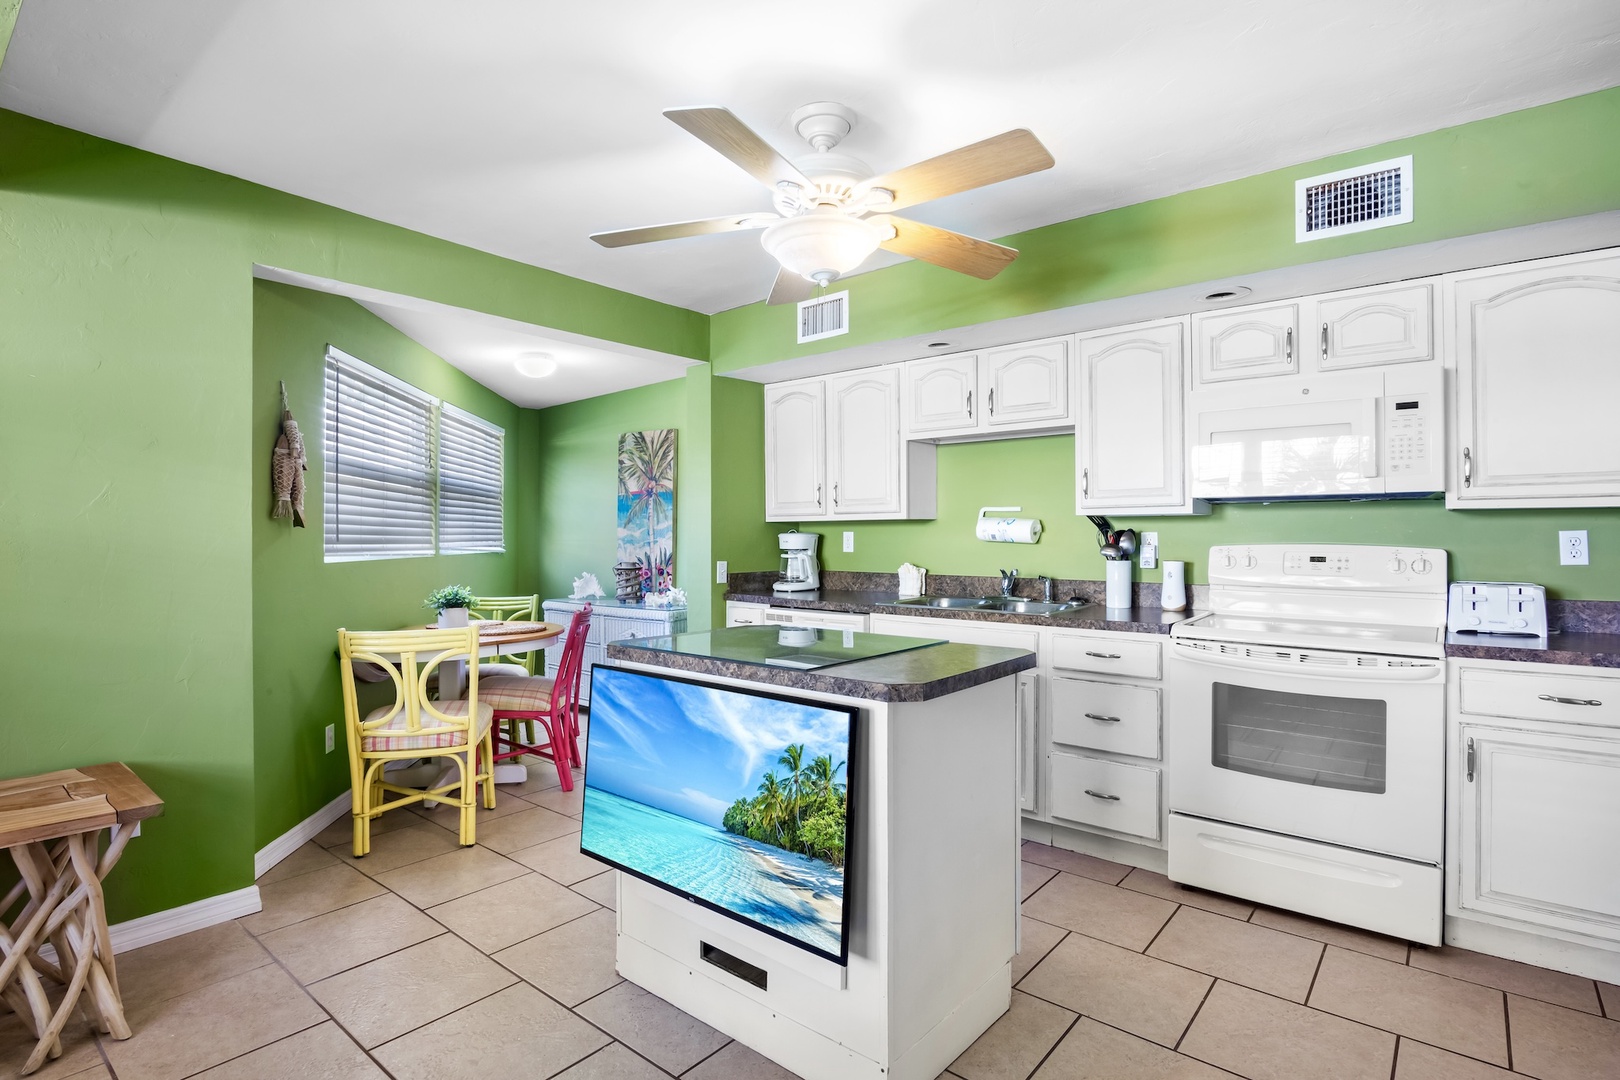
535,365
822,245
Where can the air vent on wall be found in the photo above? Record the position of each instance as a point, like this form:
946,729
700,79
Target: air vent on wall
1353,200
823,317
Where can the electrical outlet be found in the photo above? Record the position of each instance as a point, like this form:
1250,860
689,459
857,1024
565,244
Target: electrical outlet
1147,553
720,572
849,540
331,737
1572,549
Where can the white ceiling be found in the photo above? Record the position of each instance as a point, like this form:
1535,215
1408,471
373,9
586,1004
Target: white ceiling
487,346
519,127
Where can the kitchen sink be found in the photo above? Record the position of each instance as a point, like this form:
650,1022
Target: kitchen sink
1010,604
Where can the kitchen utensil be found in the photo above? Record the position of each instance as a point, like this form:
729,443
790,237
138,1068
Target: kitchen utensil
1125,540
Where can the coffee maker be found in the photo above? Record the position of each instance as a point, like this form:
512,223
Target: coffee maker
800,570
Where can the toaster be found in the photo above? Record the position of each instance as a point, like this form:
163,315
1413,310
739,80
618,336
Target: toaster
1497,607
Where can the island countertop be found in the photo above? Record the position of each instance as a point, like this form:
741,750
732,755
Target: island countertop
917,674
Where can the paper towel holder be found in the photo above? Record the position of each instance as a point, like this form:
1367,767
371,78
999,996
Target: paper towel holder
1006,530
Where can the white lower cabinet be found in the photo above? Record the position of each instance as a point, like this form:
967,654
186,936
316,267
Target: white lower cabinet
1535,803
1107,794
610,622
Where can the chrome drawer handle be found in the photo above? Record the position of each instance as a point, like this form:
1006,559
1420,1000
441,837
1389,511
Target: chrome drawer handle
1100,795
1103,655
1085,483
1104,719
1288,339
1324,341
1568,700
1468,468
970,405
992,401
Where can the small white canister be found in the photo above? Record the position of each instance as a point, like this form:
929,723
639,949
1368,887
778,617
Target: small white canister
1174,594
1117,594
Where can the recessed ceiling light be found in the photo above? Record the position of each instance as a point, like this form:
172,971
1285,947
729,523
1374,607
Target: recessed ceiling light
939,344
1233,292
536,365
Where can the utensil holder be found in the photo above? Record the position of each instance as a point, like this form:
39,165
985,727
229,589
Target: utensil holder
1117,584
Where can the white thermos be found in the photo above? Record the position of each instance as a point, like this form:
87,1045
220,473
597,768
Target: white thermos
1173,593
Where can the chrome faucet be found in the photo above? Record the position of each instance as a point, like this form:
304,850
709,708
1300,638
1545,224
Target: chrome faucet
1009,578
1046,588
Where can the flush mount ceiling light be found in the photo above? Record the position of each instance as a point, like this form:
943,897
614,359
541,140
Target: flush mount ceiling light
1228,294
832,213
536,365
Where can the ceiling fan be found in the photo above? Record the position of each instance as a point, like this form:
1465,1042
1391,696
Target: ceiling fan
832,213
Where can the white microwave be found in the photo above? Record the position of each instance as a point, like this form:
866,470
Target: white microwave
1345,435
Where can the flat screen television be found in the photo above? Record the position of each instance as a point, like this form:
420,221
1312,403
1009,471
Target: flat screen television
738,800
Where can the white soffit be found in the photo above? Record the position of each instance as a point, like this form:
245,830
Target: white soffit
486,347
520,128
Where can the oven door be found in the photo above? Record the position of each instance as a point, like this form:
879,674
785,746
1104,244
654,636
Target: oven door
1342,747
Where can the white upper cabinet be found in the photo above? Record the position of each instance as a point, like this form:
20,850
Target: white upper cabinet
833,450
1387,324
1026,384
1537,358
1246,343
1013,390
1129,439
795,450
939,394
863,442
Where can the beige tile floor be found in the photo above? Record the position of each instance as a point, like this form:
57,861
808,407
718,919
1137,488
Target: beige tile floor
426,961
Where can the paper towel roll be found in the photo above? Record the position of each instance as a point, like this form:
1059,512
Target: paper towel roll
1007,530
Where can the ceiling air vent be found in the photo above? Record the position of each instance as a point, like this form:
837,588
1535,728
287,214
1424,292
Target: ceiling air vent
824,317
1353,200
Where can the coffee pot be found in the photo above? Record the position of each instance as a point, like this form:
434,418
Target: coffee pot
800,571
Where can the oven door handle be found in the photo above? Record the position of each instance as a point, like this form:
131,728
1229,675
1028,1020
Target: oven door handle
1429,671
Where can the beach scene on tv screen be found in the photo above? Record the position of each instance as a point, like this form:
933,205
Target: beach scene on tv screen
739,800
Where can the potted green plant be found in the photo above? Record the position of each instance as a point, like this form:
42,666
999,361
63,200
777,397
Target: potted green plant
451,602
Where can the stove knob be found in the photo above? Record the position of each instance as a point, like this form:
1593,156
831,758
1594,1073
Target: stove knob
1228,560
1420,565
1397,566
1250,562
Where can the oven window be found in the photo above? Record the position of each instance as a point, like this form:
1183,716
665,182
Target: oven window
1312,739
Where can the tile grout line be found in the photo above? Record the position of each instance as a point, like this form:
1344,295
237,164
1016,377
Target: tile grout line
1507,1030
1193,1019
1395,1058
1050,1050
705,1057
1321,957
1162,927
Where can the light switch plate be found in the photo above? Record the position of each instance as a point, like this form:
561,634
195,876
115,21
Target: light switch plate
849,540
1572,549
720,572
331,737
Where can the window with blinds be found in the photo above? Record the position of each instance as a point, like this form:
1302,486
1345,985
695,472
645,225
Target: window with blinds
471,453
386,493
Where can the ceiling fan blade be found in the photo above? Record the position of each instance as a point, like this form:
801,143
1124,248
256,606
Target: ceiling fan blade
739,144
952,250
790,288
1000,157
675,230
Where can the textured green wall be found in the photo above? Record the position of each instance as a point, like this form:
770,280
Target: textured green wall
1555,161
130,484
299,600
1038,474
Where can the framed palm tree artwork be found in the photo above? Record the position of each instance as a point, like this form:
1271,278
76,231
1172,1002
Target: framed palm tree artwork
647,505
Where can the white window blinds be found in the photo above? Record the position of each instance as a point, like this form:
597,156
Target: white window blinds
470,459
378,487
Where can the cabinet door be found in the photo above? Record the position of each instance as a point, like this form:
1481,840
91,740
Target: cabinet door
1129,437
1247,343
939,395
1538,375
863,438
1026,385
1383,325
1538,842
795,451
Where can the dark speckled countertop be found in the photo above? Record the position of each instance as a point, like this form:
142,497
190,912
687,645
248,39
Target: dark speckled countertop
1578,649
1137,620
915,675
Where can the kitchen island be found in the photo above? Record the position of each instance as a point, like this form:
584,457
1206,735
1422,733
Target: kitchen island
932,882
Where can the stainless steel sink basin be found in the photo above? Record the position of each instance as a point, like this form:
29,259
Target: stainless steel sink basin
1022,607
1010,604
945,602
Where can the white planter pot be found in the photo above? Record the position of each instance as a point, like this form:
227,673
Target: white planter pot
452,616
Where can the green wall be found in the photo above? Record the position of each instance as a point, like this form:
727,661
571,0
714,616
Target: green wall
299,599
1038,474
1555,161
131,482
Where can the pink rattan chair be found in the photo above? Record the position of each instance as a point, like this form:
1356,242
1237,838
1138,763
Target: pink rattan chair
553,703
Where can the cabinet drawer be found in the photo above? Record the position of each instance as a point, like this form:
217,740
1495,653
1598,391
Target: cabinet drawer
1107,794
1109,654
1106,716
1571,699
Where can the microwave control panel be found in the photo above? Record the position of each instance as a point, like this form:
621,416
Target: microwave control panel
1410,437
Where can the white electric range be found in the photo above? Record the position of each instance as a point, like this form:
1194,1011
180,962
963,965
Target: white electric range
1307,737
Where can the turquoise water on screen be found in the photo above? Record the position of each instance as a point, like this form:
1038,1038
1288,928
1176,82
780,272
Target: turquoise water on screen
718,866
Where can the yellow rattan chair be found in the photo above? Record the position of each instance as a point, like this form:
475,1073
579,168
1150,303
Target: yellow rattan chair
507,609
413,726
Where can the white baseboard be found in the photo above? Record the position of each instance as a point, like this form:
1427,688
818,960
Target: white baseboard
299,835
163,925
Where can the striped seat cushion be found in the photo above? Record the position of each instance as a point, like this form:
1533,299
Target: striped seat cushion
382,739
516,693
